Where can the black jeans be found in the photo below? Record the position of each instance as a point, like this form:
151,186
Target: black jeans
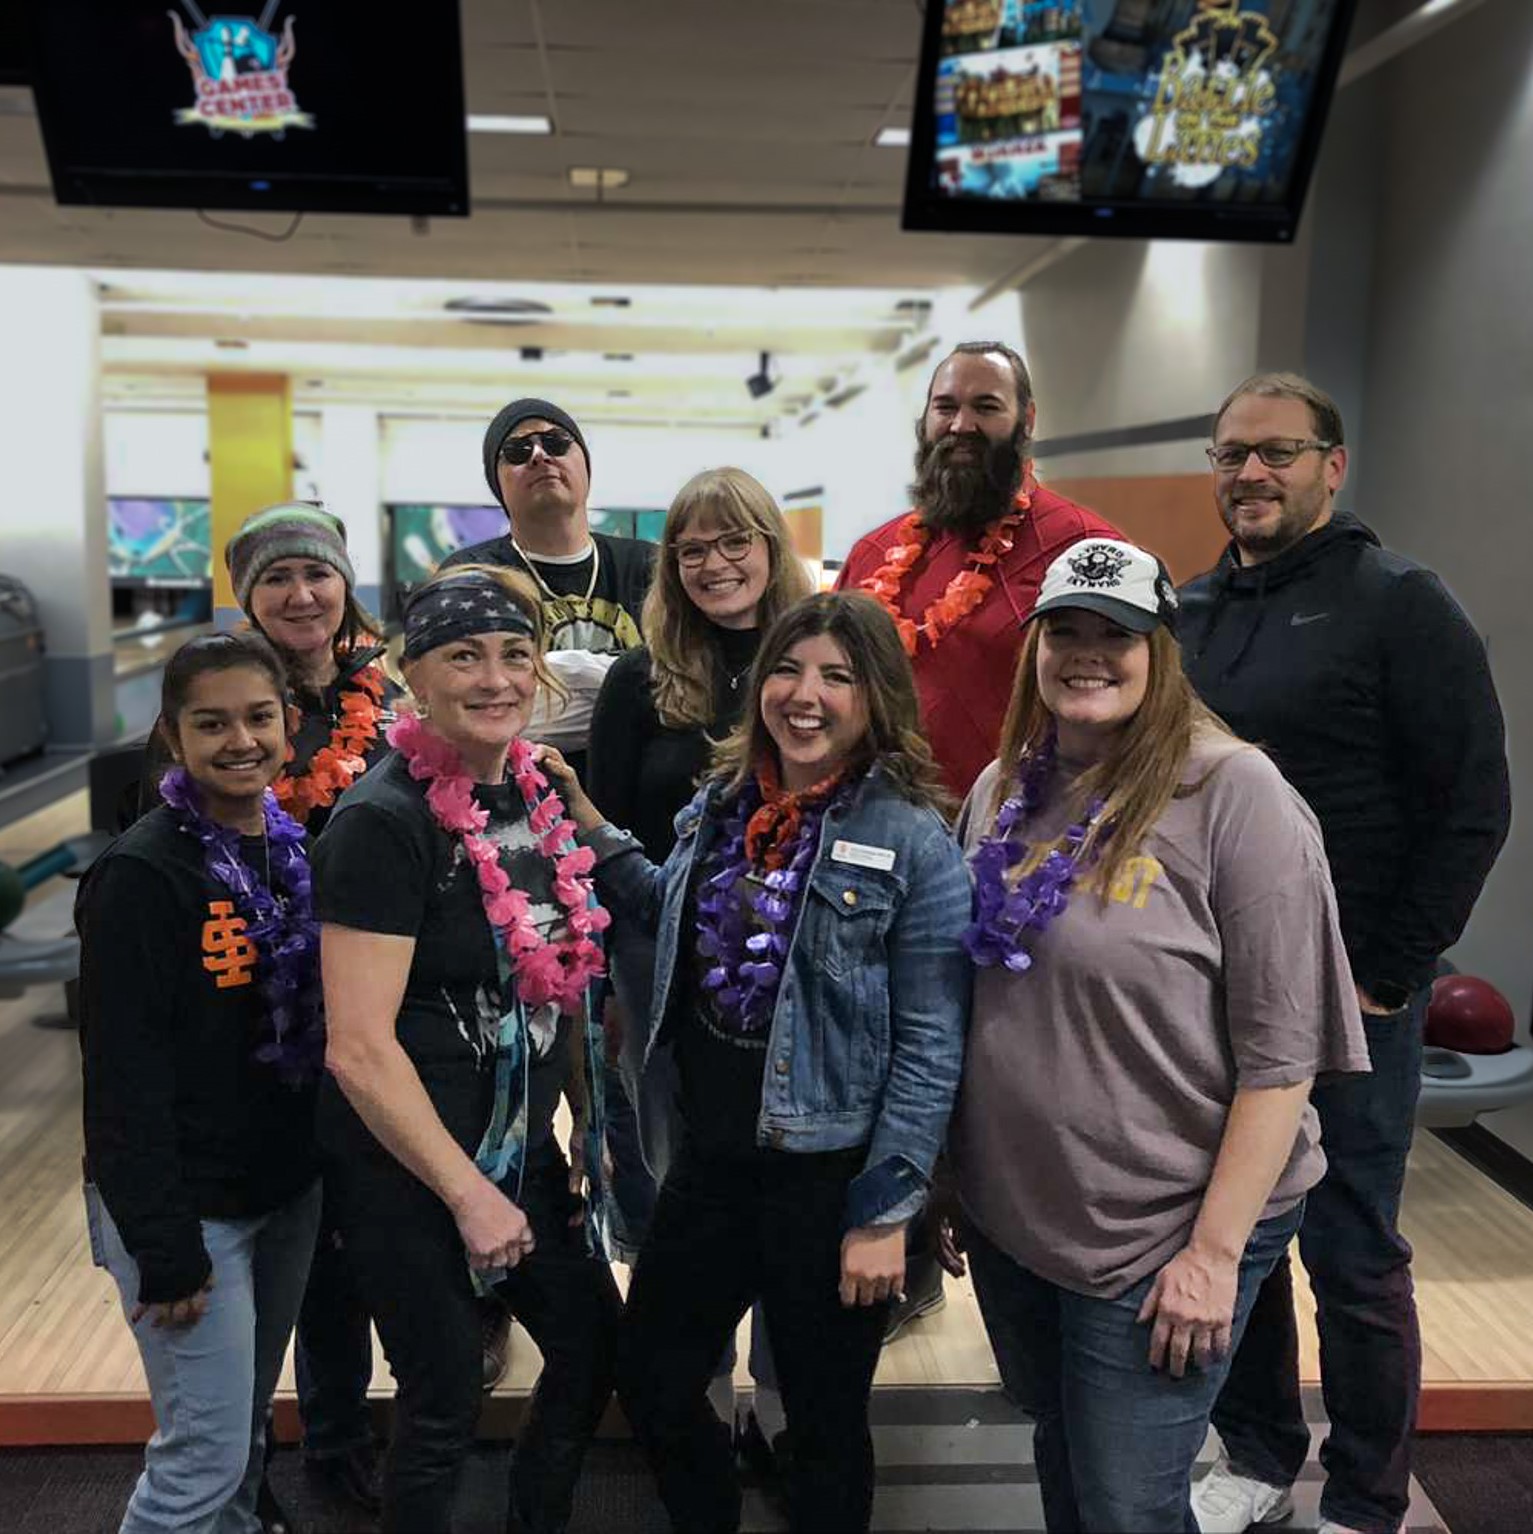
414,1275
725,1232
1359,1269
333,1350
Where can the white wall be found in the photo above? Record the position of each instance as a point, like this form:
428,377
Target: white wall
164,453
434,460
1449,394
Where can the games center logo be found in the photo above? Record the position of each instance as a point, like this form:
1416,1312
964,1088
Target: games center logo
239,70
1214,98
1098,564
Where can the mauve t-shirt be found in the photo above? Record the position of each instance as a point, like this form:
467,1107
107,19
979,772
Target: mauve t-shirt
1096,1086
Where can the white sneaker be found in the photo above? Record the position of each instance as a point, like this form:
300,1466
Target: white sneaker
1226,1503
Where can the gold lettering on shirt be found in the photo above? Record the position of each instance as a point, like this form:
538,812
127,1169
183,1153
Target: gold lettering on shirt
1135,880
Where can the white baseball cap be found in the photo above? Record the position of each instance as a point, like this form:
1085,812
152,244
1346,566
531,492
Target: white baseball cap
1119,580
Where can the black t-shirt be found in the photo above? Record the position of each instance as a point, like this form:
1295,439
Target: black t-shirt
720,1068
607,622
643,772
318,719
182,1122
384,865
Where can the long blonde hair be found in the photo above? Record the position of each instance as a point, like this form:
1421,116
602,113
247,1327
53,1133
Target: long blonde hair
683,660
1142,773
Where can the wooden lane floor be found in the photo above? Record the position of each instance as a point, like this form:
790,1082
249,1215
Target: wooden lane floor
69,1372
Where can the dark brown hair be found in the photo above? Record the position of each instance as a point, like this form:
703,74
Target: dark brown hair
871,643
1324,412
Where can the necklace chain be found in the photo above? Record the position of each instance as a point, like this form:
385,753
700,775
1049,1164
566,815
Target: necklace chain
545,588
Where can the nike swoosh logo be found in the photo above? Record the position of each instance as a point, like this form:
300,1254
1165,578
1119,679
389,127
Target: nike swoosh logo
1298,620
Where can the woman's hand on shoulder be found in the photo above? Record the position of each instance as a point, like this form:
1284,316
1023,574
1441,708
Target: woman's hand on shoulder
1190,1310
567,785
873,1264
496,1234
175,1315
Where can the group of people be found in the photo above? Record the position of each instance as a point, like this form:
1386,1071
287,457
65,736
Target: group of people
1004,908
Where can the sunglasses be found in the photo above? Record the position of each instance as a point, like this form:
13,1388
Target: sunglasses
517,451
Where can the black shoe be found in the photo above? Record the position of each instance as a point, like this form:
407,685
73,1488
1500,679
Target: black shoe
351,1478
768,1462
274,1517
494,1340
924,1296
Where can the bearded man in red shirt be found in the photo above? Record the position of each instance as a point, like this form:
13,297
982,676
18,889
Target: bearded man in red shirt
961,572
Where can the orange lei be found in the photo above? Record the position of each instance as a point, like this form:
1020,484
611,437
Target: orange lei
966,590
335,767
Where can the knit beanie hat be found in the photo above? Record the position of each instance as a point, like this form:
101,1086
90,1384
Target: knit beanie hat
509,419
292,530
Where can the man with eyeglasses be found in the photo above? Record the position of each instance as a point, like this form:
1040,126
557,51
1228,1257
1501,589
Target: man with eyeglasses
1363,678
538,466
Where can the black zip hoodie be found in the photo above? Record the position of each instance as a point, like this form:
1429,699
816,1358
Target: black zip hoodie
1369,687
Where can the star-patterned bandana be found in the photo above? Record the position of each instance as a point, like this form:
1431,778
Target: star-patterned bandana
459,606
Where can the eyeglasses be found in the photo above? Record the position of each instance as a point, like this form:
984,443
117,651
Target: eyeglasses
693,554
516,451
1275,452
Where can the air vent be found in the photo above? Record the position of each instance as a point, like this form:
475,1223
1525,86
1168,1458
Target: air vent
499,311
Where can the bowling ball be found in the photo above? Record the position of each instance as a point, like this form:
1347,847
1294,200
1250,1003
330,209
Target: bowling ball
1470,1015
13,895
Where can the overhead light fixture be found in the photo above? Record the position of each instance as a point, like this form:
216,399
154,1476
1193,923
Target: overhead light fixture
493,123
892,138
598,178
762,382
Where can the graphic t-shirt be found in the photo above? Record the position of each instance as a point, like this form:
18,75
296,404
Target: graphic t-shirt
384,865
1096,1085
607,621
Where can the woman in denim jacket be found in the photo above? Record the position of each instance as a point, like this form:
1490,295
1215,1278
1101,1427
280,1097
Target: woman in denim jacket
805,1037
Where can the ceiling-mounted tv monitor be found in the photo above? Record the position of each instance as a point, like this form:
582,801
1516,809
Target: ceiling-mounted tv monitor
1179,119
335,106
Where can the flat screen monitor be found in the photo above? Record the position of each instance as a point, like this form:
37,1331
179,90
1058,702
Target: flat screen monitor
158,542
1189,119
338,106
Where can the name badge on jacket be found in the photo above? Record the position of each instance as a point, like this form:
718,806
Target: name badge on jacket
859,855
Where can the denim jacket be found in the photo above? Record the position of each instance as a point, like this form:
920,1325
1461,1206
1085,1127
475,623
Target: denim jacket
867,1036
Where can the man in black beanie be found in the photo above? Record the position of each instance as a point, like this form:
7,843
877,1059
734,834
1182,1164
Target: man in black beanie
538,465
593,586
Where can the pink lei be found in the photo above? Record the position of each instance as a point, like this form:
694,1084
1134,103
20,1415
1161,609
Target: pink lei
558,971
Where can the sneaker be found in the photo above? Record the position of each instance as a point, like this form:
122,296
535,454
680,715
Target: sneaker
1226,1503
494,1340
351,1477
924,1296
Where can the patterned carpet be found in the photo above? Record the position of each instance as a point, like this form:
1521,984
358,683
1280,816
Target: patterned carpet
949,1460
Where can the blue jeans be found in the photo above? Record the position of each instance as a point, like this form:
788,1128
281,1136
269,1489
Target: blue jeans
333,1351
211,1384
1359,1268
1114,1440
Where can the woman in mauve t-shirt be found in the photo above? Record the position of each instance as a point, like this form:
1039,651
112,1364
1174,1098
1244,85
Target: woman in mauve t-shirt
1160,977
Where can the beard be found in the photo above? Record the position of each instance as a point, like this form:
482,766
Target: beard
964,483
1299,509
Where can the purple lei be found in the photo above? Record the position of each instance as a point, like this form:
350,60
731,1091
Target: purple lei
284,932
1004,914
746,967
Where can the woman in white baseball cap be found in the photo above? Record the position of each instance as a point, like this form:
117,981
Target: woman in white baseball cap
1160,976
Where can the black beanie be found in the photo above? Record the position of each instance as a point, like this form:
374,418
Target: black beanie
509,419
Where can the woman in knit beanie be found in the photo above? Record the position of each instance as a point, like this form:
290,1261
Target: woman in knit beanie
293,579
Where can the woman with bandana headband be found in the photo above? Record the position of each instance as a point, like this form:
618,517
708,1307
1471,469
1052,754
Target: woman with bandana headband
460,952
